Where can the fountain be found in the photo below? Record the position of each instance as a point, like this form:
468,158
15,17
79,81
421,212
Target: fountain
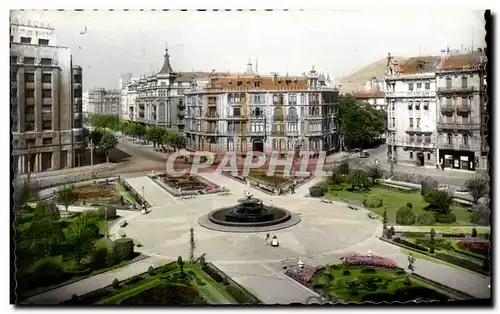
249,215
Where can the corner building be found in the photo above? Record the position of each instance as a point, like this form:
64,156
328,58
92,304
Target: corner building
46,101
250,111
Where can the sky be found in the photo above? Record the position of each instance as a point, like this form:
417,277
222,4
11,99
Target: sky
337,43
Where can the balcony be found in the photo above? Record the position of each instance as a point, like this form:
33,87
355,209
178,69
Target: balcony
256,132
77,85
314,133
47,101
181,114
209,131
416,129
447,108
30,85
29,101
292,117
278,117
410,94
278,133
257,117
181,106
446,145
210,105
211,116
314,117
46,85
292,133
181,122
48,116
233,117
455,90
464,108
453,125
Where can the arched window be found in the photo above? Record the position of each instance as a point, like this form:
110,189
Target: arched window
257,112
282,145
275,144
450,138
278,113
292,113
230,98
315,110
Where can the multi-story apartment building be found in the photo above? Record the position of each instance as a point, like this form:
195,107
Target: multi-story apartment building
85,101
436,110
374,98
411,110
462,114
104,102
46,100
159,99
249,111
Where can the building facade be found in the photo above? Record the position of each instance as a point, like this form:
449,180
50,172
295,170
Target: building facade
411,113
374,98
249,111
462,115
437,110
159,99
104,102
46,101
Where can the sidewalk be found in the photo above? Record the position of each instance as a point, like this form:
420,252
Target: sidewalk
154,194
93,283
62,172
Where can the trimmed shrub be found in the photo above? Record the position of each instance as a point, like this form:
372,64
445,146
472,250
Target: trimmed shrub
445,218
474,232
453,235
411,244
99,258
476,247
426,219
409,205
460,262
368,271
48,271
110,210
115,284
373,201
405,216
240,296
346,273
123,248
212,272
151,271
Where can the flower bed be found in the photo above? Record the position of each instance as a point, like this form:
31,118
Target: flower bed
100,190
369,260
475,246
185,182
303,275
189,184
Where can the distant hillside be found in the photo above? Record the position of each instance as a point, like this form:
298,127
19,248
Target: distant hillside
357,80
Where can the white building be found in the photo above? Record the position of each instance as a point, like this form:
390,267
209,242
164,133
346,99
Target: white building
411,102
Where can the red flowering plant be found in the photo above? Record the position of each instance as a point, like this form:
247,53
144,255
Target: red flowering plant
475,246
303,275
369,260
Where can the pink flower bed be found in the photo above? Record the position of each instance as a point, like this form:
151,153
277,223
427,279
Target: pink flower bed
475,246
369,260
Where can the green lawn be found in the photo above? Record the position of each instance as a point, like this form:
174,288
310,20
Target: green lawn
122,192
261,175
393,200
381,284
209,290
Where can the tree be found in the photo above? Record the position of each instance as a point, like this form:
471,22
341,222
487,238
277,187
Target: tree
66,196
96,136
439,200
192,245
432,242
45,230
358,178
180,262
175,140
138,130
391,232
405,216
360,124
155,135
80,237
478,186
108,142
474,232
337,177
374,172
385,221
24,191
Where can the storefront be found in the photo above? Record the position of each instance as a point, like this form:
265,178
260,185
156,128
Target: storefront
457,160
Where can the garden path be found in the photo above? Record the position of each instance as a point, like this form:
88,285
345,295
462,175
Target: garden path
154,194
93,283
237,188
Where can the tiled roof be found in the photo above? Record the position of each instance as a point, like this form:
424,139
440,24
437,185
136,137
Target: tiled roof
267,82
460,61
419,65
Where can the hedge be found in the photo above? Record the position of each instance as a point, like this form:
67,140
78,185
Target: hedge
240,296
453,235
212,272
460,262
445,218
411,244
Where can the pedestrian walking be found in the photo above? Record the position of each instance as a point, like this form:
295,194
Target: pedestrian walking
267,237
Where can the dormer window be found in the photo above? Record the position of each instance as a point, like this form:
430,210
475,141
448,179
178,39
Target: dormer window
288,82
257,84
240,83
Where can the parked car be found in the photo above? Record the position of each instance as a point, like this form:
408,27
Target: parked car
364,155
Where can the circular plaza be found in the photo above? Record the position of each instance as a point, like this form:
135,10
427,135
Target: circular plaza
320,229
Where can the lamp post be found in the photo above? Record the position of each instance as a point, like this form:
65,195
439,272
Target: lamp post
91,147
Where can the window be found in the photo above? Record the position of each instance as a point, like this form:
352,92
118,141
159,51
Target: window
30,93
411,138
419,138
47,141
448,82
257,84
427,86
11,38
46,93
29,60
427,138
236,112
47,125
26,40
393,122
393,106
418,122
230,99
426,105
411,155
428,156
411,122
46,78
240,83
30,109
465,140
419,86
29,77
302,98
464,81
449,139
410,106
410,86
417,105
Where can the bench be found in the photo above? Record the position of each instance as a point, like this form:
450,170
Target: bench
372,216
186,197
123,224
353,207
122,234
224,193
326,201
